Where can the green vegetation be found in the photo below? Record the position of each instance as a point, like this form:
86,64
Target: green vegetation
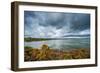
46,53
29,39
36,39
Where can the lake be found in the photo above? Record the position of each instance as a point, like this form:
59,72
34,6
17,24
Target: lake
62,44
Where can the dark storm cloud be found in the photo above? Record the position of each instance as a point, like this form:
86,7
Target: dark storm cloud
50,23
81,22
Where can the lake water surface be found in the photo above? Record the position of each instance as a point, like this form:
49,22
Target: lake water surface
67,43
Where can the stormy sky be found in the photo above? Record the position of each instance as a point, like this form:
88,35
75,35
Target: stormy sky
55,24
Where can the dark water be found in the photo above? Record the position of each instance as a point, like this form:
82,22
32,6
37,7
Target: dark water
67,43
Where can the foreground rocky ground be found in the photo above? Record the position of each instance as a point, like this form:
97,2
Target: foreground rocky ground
46,53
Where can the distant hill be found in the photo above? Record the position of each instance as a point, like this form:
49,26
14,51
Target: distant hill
28,39
88,35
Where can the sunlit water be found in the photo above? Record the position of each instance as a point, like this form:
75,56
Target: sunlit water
68,43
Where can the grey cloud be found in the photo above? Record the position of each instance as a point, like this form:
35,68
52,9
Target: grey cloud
53,21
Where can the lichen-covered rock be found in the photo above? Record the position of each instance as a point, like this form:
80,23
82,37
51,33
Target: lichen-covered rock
45,47
46,53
